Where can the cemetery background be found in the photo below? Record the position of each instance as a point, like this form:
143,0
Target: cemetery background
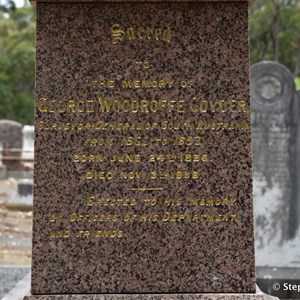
274,35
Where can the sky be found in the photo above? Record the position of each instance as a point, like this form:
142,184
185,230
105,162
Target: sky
19,2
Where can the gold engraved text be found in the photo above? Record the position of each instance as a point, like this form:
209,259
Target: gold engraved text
171,217
93,201
120,34
108,105
106,233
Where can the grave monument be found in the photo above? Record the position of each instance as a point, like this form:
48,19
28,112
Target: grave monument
276,169
142,183
11,140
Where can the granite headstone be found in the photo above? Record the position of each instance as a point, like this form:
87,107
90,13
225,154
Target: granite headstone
143,180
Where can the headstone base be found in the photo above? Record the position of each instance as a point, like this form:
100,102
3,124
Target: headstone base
257,296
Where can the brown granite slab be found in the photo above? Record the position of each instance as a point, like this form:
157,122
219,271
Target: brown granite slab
139,1
178,218
260,296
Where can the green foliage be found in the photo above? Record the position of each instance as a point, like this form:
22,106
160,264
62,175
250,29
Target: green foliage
275,32
8,6
297,82
17,60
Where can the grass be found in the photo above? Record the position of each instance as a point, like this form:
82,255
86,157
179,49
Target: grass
297,82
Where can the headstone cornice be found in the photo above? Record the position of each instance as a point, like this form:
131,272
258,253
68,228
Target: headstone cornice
138,1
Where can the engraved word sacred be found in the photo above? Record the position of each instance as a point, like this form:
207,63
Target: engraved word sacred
120,34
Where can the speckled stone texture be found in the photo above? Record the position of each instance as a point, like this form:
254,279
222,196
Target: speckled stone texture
153,254
155,297
151,1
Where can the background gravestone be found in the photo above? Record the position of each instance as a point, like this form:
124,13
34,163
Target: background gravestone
143,180
2,166
11,138
28,142
276,165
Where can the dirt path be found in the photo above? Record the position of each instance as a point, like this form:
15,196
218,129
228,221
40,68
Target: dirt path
15,236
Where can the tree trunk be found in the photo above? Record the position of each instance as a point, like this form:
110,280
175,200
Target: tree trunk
275,30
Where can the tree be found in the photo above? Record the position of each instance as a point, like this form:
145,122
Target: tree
8,6
274,32
17,60
290,37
